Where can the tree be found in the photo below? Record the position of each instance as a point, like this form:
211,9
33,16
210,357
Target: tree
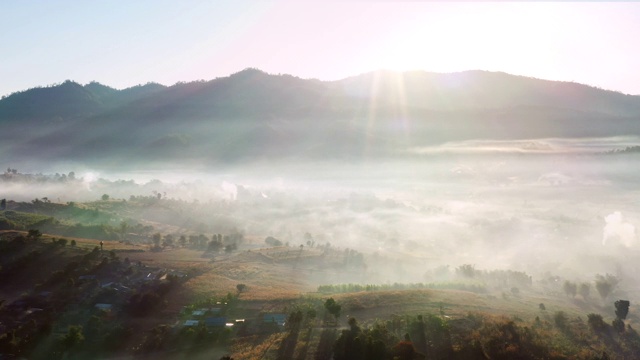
618,325
34,234
560,319
350,344
606,284
311,315
584,290
596,323
73,337
182,240
168,240
333,307
404,350
124,227
214,245
230,248
105,197
241,287
570,289
73,242
466,270
3,204
270,240
156,239
622,309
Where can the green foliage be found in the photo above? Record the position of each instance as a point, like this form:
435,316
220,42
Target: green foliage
618,325
214,245
466,270
622,309
431,336
333,307
23,220
73,337
504,339
606,284
560,319
157,237
7,224
596,323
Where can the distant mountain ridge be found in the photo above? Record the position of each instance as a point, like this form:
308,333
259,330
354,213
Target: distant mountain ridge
255,115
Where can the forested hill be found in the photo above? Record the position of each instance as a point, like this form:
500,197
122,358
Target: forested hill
252,114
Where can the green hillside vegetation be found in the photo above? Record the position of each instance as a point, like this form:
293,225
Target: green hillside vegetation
10,220
151,295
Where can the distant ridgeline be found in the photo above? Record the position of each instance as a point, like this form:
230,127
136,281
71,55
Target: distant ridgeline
628,150
12,175
252,115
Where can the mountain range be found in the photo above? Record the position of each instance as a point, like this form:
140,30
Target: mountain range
252,115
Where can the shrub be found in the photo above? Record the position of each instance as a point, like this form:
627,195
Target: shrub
618,325
7,224
560,319
34,233
596,323
622,309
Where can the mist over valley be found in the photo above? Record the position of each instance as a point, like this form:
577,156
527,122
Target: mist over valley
484,189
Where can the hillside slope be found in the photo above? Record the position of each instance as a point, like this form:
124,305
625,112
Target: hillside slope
254,115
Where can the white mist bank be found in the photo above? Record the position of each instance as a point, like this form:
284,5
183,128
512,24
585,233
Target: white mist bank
568,214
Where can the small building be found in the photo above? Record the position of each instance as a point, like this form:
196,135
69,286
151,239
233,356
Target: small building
191,323
198,312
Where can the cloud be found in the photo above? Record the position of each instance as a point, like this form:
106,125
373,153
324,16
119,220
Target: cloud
616,229
230,189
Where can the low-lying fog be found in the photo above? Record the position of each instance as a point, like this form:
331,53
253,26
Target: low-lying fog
565,213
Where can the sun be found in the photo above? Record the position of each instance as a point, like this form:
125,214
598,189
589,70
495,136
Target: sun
477,37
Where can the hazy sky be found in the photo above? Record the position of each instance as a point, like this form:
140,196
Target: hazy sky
122,43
